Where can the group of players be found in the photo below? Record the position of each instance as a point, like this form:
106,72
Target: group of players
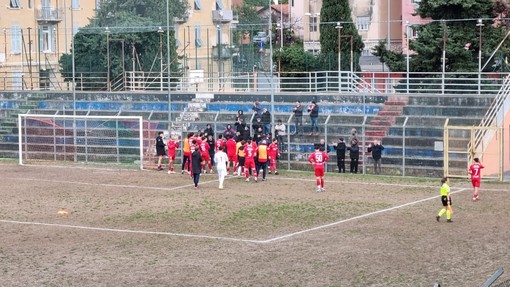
243,156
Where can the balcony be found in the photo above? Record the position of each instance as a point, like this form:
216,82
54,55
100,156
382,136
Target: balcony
182,19
49,14
222,16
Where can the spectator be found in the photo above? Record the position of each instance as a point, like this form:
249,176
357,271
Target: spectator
354,135
240,124
298,117
246,133
340,148
257,124
354,155
257,108
313,109
266,120
376,151
279,130
323,146
209,131
240,116
229,131
258,135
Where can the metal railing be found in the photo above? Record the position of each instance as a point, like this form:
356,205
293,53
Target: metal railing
260,81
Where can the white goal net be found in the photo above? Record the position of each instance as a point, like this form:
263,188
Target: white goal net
81,139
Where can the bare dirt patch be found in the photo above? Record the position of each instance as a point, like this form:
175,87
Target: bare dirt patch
140,228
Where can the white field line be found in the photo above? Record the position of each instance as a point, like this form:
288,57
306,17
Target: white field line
279,238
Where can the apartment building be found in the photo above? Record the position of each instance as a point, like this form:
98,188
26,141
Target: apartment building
204,40
376,20
34,34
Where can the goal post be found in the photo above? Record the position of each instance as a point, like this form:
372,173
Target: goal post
81,139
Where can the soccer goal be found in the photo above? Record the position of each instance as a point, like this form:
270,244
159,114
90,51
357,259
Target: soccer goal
81,139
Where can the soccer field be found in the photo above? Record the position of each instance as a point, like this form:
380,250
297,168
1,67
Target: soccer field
148,228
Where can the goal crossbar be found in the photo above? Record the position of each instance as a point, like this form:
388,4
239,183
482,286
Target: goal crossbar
89,139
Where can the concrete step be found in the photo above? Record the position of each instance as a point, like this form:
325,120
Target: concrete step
389,113
375,134
382,122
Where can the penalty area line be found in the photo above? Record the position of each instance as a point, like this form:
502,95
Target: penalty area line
130,231
287,236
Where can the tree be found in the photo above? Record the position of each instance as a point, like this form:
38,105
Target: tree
334,11
449,32
133,41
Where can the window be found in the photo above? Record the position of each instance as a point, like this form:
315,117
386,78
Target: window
363,23
15,39
411,32
313,24
198,38
76,29
75,4
219,5
45,3
30,4
198,5
47,39
15,4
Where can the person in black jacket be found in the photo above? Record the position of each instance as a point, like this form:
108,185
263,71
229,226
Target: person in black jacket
209,131
298,117
376,151
266,120
196,164
313,109
354,155
340,148
160,149
257,123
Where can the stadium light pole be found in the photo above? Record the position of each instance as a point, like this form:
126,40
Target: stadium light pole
107,31
479,24
169,96
270,24
339,28
160,32
407,57
443,58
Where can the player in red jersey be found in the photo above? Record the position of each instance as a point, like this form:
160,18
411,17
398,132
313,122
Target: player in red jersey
475,170
219,142
250,152
172,145
318,159
273,153
231,154
206,157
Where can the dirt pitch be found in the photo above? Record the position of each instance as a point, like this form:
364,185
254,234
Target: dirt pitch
148,228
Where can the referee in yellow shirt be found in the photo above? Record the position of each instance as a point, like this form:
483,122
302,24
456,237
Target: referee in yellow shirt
446,200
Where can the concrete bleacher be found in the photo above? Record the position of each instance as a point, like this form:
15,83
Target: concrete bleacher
424,115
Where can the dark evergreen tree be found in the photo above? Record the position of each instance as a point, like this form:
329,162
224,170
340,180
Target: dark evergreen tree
332,12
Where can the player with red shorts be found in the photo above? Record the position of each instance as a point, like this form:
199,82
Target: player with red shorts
206,157
219,142
273,153
231,154
318,159
475,170
250,152
172,150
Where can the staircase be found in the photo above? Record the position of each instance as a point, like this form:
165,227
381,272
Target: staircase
9,122
385,118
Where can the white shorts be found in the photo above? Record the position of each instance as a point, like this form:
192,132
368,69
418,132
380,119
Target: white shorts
222,171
